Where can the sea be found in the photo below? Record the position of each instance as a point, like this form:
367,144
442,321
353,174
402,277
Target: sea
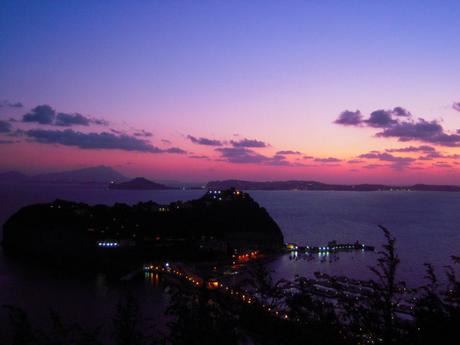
426,226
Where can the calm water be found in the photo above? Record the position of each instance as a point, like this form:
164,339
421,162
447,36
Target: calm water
427,227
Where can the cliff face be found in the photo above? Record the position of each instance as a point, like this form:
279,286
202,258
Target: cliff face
237,218
67,229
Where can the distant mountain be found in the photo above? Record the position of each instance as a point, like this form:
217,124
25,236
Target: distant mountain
139,183
12,176
313,185
181,185
98,174
435,188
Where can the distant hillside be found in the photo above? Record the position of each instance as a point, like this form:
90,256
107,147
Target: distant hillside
12,176
139,183
313,185
99,174
181,184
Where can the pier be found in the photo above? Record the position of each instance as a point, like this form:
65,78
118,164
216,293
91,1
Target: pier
331,247
196,281
323,286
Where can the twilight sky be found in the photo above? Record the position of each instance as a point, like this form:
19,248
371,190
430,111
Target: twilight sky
336,91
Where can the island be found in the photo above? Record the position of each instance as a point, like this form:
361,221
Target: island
215,226
319,186
139,183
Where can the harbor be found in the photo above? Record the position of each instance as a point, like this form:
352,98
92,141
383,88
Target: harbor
331,247
321,287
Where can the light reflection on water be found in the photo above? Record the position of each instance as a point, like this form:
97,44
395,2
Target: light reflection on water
353,264
152,279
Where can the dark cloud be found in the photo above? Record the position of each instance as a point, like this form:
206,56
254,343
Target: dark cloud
299,164
456,106
4,142
374,166
308,157
390,121
375,155
400,111
199,157
166,141
204,141
241,155
278,159
430,153
421,130
104,140
430,157
67,120
143,133
350,118
435,155
100,122
288,152
422,148
5,127
42,114
442,165
381,119
328,160
176,150
248,143
7,104
396,162
354,161
46,115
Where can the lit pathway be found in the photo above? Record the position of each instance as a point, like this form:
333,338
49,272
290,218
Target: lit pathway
195,280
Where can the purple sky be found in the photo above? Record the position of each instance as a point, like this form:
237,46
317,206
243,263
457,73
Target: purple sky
338,91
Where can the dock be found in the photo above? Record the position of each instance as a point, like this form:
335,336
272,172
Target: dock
331,247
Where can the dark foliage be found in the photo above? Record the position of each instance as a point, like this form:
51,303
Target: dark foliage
202,317
59,333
